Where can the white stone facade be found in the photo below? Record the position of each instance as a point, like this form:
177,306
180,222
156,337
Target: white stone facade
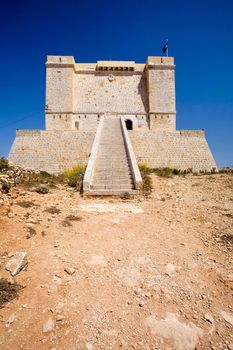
78,94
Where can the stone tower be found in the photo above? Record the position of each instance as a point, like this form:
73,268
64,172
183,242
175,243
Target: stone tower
80,95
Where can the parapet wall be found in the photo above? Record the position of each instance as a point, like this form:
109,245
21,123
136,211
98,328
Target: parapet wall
179,149
51,151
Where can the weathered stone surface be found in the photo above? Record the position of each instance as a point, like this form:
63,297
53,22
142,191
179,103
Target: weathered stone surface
98,260
185,336
17,263
228,317
48,326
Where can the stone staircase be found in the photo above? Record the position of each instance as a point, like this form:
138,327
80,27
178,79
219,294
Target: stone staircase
112,172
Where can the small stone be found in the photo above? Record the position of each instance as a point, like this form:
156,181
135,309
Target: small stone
208,318
17,263
10,215
31,221
48,326
69,270
56,245
89,346
169,269
60,318
141,303
148,295
227,317
230,346
10,320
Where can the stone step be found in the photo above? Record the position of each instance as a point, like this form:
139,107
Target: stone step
112,172
114,181
112,158
123,188
105,176
109,192
111,169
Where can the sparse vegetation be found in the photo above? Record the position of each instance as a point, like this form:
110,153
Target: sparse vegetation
226,171
169,172
74,176
31,232
5,187
52,210
42,189
69,218
126,196
44,178
4,164
146,179
25,204
8,291
73,218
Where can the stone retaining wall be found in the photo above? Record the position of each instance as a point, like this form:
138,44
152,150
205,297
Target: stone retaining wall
56,151
179,149
52,151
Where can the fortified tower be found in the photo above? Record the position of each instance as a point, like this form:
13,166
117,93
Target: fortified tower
110,115
78,94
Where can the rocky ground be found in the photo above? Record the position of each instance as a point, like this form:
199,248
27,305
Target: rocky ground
151,273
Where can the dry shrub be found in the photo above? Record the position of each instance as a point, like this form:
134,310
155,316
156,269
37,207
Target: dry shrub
25,204
4,164
8,291
73,218
146,179
52,210
41,178
74,176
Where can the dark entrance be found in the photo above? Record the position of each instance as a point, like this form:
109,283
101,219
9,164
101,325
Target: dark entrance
129,124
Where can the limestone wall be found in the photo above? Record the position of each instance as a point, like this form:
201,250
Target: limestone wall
162,121
59,88
161,84
118,92
52,151
178,149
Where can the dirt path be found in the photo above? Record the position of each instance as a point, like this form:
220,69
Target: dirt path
141,274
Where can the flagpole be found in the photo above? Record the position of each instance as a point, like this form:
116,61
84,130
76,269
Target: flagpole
167,47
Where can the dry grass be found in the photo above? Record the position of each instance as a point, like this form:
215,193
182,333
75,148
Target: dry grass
52,210
8,291
25,204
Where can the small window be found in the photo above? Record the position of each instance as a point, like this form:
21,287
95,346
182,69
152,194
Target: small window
77,125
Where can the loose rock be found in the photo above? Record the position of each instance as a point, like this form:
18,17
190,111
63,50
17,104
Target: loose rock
17,263
48,326
69,270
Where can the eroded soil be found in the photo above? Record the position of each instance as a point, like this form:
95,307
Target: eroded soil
150,273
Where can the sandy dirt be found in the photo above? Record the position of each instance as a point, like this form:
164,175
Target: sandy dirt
150,273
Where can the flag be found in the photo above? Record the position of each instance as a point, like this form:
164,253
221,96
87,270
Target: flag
165,48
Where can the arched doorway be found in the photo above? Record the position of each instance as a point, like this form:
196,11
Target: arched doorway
129,124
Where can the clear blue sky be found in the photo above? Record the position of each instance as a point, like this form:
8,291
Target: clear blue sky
200,37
